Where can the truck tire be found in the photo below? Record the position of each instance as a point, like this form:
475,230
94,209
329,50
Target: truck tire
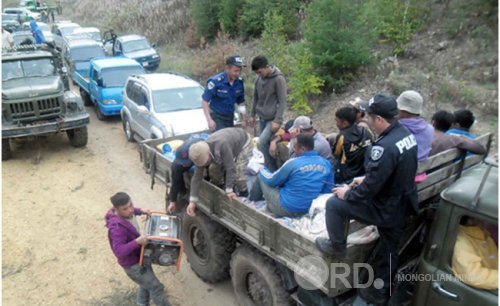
78,137
85,97
6,152
127,128
256,280
208,247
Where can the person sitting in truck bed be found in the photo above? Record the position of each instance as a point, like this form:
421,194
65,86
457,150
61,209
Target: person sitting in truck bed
464,119
442,121
475,257
278,148
349,146
291,189
227,150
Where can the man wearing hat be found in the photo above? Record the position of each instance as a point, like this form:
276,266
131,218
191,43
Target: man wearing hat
383,197
181,165
303,125
223,92
225,151
410,104
361,119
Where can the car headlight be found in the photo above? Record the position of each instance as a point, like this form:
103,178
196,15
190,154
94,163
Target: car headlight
109,102
155,56
73,106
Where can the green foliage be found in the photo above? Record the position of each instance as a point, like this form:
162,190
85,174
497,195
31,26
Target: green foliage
228,16
274,42
303,83
394,21
338,39
253,12
204,13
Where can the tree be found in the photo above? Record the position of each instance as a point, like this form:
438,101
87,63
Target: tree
204,13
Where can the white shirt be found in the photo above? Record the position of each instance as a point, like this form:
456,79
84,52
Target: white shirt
7,40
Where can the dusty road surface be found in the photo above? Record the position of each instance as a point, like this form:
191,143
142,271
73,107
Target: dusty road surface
55,248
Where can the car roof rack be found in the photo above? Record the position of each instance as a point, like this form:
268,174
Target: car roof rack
31,47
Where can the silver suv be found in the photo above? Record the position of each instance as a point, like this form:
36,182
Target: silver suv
161,105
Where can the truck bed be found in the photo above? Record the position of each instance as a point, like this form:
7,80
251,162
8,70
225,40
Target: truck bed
284,244
82,80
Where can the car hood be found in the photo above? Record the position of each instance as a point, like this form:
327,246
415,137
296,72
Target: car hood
141,53
184,122
112,93
31,87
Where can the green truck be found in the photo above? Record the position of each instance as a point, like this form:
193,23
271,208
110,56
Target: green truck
33,6
36,99
263,257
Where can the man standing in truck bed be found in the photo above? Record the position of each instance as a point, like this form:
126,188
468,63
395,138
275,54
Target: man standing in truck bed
383,197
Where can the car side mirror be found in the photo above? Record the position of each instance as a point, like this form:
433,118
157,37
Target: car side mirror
153,45
99,83
143,109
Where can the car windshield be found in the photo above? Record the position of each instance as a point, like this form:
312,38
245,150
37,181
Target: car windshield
9,17
177,99
68,30
95,36
116,77
135,45
83,54
28,68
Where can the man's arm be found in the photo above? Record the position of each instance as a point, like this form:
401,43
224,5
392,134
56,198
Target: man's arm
228,164
468,144
119,242
177,182
282,99
253,113
279,177
330,180
196,184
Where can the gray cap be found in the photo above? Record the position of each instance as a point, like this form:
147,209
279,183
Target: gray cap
302,122
411,102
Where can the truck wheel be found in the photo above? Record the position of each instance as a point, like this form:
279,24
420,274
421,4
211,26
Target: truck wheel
6,152
208,247
256,280
78,137
127,128
99,113
85,97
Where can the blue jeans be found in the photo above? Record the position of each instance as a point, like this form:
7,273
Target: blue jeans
266,135
272,196
149,285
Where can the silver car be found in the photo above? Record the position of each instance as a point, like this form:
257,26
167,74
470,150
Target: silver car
160,105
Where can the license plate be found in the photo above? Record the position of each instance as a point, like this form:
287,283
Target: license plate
145,64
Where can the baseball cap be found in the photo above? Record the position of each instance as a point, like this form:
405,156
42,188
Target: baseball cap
199,153
182,153
235,60
356,103
410,101
384,106
302,122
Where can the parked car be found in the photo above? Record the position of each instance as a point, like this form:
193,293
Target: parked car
10,22
135,47
78,53
23,12
103,86
160,105
91,32
62,29
25,37
44,27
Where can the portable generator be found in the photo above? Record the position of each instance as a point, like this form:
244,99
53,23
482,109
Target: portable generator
164,247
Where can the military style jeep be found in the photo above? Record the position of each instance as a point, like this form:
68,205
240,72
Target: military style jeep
36,99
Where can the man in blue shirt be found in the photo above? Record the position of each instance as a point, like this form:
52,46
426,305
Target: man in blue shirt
223,91
464,119
291,190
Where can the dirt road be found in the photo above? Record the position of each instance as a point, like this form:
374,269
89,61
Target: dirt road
55,248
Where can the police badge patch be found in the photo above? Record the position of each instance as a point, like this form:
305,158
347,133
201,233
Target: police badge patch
377,152
210,85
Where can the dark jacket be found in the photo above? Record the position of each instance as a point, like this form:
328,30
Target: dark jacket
349,152
269,98
122,235
389,184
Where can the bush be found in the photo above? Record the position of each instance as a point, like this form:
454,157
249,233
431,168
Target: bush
338,40
303,83
229,16
274,42
204,13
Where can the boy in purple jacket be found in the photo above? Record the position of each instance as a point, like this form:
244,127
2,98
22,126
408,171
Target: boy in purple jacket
126,241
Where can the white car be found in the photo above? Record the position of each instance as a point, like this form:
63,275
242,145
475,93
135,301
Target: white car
24,12
44,27
91,32
62,29
160,105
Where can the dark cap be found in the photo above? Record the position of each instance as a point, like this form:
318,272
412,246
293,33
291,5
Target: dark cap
235,60
384,106
182,153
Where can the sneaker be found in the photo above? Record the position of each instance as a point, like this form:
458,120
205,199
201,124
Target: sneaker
326,246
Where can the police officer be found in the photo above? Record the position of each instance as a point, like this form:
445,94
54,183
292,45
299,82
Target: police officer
382,197
223,91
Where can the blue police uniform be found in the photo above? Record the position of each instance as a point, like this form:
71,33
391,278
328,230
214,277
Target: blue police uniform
222,97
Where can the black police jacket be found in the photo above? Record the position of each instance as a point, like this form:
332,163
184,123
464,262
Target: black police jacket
389,183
